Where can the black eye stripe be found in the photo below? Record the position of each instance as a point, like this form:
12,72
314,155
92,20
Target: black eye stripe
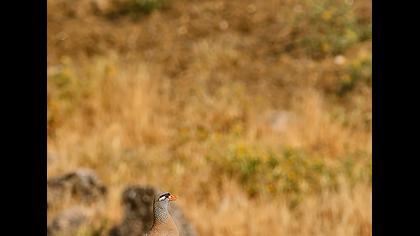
166,195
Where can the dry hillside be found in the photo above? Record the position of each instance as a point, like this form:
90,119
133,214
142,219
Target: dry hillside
256,114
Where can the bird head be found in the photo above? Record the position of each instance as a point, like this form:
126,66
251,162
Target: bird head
160,207
165,197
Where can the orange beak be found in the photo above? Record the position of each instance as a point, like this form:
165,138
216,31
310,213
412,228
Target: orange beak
172,197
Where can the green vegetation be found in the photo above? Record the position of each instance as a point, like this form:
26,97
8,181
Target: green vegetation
358,71
136,8
290,173
329,28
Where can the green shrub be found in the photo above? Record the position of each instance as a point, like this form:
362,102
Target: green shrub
356,167
291,174
136,8
262,172
356,72
329,29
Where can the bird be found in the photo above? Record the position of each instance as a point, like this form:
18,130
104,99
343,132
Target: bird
163,224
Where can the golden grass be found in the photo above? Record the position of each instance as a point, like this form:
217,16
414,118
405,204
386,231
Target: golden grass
341,213
171,99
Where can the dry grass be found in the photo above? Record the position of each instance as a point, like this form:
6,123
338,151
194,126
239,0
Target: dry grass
184,98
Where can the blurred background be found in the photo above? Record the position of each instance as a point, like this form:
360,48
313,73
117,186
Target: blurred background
256,114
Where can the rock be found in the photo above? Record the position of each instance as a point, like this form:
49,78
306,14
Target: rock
138,214
85,190
138,211
68,221
82,184
280,120
340,60
103,6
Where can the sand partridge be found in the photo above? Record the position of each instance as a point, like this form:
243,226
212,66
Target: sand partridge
163,224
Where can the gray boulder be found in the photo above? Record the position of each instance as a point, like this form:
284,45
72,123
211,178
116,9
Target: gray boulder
82,185
138,213
68,221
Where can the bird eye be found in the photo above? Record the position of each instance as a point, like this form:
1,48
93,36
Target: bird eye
163,196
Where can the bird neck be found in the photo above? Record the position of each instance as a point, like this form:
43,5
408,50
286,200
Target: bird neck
161,213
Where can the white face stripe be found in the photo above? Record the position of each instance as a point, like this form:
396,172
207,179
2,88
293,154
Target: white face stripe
162,198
